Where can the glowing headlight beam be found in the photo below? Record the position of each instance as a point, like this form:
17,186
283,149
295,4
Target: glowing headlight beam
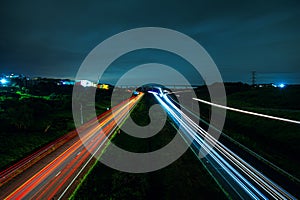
269,186
252,173
217,157
248,112
192,135
247,178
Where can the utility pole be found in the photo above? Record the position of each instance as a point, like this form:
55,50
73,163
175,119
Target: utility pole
253,78
81,116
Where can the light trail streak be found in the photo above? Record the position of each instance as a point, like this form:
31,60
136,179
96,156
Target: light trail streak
217,158
237,173
248,112
269,163
241,164
84,166
56,177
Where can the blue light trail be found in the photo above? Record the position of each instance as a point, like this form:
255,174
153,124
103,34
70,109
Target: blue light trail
240,178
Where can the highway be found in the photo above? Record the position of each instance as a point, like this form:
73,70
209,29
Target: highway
58,175
236,177
17,168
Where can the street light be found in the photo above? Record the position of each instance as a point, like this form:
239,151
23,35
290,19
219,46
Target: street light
281,85
3,81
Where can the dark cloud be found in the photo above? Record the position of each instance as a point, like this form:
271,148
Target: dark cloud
51,38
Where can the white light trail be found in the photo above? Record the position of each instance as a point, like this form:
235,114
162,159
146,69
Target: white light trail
248,112
216,157
238,173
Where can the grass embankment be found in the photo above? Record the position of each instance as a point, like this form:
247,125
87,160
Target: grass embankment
29,124
30,121
183,179
275,140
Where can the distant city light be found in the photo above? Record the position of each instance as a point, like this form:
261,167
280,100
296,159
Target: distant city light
3,81
281,85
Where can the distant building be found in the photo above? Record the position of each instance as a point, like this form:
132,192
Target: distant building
85,83
266,85
103,86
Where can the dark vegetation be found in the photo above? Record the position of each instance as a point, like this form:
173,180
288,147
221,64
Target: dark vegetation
34,116
186,178
30,123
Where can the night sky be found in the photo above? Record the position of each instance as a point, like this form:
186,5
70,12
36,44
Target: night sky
52,38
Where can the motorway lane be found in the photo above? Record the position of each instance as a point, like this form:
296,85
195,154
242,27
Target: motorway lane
235,175
275,173
20,166
17,168
53,178
68,172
